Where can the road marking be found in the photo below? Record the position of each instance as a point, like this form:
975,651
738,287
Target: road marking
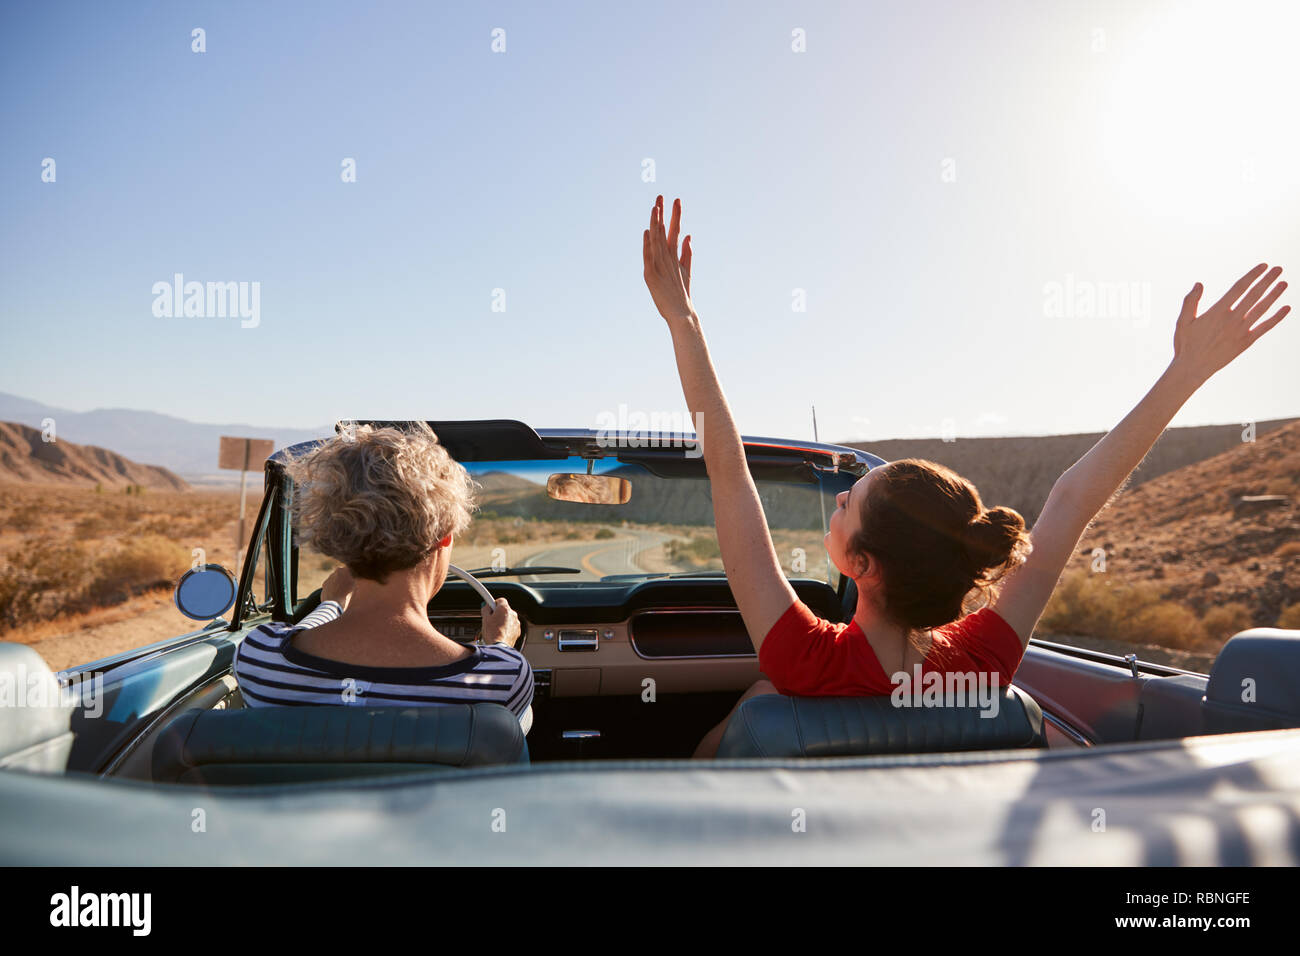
631,543
586,561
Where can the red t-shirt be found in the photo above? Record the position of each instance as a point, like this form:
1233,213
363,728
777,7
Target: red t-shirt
805,656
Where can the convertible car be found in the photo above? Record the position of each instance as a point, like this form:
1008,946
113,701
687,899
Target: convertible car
603,543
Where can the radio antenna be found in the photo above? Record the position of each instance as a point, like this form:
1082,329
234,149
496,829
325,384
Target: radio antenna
821,500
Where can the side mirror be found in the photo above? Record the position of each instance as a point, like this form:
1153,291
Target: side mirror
206,592
590,489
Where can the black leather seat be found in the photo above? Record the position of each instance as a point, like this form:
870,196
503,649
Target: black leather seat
773,725
288,744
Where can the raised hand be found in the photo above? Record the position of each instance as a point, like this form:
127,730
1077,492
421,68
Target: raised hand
667,274
1205,343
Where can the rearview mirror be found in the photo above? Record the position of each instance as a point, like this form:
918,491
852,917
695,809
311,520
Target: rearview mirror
589,489
205,592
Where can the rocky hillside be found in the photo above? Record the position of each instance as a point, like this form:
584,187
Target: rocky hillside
25,457
1019,472
1220,531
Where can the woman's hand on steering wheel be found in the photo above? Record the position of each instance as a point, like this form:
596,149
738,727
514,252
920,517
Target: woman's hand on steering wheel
500,624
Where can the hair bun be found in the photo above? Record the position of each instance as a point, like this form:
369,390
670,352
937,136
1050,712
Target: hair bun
972,538
993,538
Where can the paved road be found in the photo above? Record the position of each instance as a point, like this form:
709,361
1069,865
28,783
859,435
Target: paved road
597,558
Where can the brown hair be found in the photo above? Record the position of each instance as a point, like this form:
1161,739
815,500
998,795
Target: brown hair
940,551
380,499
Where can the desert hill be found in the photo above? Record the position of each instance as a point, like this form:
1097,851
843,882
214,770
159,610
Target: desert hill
186,448
25,457
1019,472
1189,530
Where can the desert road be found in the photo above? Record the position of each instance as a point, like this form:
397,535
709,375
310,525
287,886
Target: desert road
621,555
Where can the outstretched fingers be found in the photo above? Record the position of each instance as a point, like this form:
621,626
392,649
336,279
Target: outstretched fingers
667,271
1240,286
686,264
652,240
1190,302
674,226
1255,312
1263,327
1257,291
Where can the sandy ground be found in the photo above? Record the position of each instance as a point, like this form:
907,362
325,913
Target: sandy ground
145,619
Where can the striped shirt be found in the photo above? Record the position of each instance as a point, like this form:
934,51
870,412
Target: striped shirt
272,672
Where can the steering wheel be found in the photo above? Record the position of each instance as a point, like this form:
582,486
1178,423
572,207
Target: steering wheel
312,601
475,583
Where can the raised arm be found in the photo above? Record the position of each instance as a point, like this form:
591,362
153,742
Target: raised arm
1202,345
762,592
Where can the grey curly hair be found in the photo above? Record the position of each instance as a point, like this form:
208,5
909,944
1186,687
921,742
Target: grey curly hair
380,499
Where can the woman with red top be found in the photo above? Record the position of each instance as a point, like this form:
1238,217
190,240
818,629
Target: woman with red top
914,536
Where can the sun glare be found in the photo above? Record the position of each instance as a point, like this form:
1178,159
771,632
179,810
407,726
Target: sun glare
1189,112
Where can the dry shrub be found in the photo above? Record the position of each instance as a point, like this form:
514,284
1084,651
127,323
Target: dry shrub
91,526
697,552
1167,624
41,581
1096,605
1225,620
1282,486
490,529
26,518
1289,619
167,527
149,561
99,548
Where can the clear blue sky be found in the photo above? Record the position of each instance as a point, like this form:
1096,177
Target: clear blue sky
1095,145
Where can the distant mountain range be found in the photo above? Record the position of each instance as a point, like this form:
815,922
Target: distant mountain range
187,448
25,456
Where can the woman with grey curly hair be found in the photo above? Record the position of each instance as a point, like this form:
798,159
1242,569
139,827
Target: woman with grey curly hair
386,503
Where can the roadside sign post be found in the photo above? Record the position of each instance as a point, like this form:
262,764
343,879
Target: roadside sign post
237,454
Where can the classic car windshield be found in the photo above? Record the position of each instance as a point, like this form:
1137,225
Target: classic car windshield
665,526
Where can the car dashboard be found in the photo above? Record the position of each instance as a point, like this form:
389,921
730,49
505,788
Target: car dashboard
680,635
